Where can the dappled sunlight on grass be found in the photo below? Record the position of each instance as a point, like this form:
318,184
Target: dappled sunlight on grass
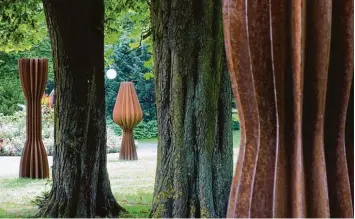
132,184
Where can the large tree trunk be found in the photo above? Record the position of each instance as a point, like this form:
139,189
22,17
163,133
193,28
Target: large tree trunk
193,97
81,186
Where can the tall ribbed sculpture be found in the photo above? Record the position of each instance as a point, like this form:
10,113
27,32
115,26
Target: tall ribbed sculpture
127,113
291,66
33,76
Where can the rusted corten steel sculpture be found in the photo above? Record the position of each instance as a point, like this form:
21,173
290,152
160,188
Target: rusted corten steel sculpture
127,113
291,65
33,76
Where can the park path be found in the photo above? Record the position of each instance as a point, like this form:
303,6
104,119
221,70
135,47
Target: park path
9,165
147,152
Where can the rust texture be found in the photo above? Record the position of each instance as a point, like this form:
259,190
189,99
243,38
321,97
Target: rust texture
33,76
127,113
291,66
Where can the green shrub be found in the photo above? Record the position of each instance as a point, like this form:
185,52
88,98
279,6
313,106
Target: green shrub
235,125
235,121
144,130
10,95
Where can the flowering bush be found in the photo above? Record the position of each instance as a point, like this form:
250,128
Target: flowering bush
13,133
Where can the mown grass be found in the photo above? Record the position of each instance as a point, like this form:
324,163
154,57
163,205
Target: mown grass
132,184
236,138
138,205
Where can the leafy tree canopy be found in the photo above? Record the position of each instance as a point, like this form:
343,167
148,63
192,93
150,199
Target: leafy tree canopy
22,22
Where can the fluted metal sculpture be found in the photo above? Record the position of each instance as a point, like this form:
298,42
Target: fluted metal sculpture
33,76
291,65
127,113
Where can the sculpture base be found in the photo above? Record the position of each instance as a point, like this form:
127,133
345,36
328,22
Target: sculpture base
34,162
128,148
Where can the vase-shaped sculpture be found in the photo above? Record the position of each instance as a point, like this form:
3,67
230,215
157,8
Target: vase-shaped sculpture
33,76
127,113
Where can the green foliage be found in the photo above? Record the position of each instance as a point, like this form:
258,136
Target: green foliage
128,19
22,24
10,86
235,121
121,15
144,130
10,95
8,61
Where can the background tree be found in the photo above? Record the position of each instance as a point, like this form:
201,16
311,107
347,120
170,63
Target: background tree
130,66
193,97
22,24
81,186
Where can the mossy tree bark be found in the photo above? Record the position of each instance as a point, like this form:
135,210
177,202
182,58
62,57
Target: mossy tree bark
81,186
193,97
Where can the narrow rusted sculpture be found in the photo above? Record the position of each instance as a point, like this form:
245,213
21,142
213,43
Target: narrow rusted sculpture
291,65
33,76
127,113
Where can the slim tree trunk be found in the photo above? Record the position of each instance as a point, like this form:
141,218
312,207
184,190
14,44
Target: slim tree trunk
193,97
81,186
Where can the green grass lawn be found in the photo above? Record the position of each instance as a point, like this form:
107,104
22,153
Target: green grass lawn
236,138
132,184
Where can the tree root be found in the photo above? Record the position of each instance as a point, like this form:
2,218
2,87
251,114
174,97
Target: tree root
48,207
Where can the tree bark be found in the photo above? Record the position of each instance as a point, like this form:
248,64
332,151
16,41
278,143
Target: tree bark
81,186
193,97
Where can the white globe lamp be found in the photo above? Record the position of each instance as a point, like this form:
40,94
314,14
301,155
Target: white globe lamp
111,73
